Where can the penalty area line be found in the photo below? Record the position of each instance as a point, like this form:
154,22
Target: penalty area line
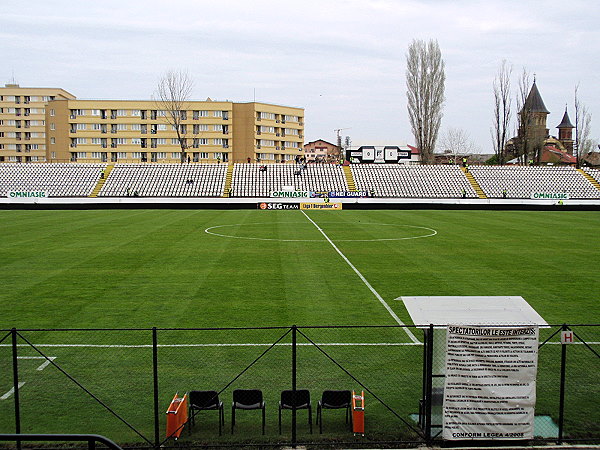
364,280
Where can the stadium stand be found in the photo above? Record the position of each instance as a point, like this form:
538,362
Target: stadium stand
594,173
257,180
250,181
522,181
435,181
57,179
165,180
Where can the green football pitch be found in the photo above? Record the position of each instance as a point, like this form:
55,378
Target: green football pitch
247,268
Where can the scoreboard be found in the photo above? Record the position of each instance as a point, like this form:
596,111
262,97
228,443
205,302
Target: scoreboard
378,155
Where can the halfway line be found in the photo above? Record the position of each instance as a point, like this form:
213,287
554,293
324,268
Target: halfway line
364,280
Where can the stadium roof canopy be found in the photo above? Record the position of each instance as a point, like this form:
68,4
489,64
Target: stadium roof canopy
471,310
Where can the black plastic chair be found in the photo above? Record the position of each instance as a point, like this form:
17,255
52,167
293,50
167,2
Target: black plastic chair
302,401
205,401
333,400
247,399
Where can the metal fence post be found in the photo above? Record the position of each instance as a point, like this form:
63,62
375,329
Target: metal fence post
16,385
428,384
294,379
155,382
563,369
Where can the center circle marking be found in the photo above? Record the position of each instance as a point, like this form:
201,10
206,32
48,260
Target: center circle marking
429,232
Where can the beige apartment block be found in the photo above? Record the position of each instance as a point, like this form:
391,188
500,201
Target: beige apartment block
140,132
22,121
268,133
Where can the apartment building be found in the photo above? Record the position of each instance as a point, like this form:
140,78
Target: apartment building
47,124
140,131
22,121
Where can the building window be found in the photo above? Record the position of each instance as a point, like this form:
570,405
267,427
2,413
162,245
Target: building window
174,141
217,113
95,112
136,112
267,115
136,155
161,155
121,112
96,126
96,155
80,126
176,155
81,155
52,140
162,141
217,141
52,126
136,141
81,140
122,155
121,141
136,127
121,126
96,141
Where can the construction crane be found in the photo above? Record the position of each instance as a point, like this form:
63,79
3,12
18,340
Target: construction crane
339,136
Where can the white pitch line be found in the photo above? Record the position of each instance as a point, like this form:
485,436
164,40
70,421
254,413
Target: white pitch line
44,364
364,280
287,344
11,391
248,344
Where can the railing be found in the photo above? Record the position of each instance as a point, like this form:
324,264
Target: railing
91,439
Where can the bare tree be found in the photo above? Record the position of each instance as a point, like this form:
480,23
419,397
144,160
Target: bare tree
502,111
457,141
525,138
172,96
425,81
583,121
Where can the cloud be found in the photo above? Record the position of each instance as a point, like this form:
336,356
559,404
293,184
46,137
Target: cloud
343,60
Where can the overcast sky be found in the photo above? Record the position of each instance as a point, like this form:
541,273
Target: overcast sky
343,61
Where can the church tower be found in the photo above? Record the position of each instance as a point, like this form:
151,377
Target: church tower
565,133
534,115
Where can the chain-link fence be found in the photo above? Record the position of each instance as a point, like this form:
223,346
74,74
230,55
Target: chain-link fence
119,383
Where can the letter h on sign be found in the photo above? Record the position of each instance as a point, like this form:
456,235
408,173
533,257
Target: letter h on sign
566,337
